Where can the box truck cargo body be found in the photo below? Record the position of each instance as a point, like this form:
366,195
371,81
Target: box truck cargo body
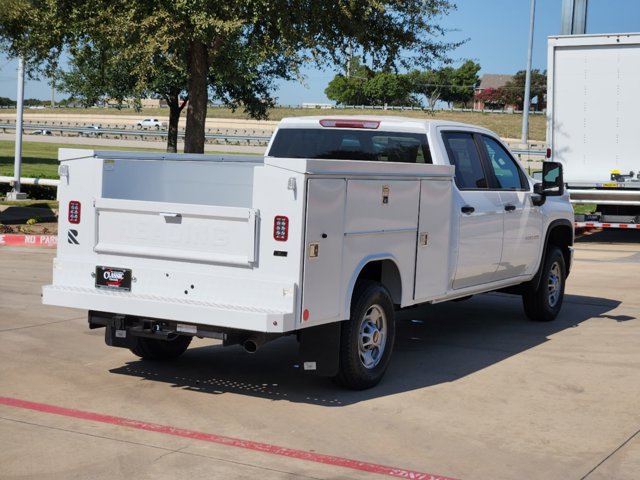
592,123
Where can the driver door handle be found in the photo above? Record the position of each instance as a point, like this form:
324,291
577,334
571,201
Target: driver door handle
509,208
467,209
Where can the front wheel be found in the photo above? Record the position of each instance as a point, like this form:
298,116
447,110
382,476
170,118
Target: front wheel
158,349
543,303
367,338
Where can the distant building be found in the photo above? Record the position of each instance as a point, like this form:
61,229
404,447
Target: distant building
490,81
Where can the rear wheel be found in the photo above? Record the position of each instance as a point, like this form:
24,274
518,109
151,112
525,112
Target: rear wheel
543,303
158,349
367,337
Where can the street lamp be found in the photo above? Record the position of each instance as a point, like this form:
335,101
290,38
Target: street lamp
15,193
527,84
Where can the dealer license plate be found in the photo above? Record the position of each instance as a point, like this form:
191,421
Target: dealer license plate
113,278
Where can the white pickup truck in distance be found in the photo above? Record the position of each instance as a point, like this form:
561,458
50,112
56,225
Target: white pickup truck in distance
151,123
344,221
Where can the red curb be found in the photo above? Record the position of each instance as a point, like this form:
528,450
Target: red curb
14,240
223,440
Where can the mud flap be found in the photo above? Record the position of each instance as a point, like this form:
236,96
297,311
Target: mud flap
115,337
320,349
116,333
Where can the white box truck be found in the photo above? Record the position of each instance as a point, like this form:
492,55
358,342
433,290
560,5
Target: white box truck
343,222
592,124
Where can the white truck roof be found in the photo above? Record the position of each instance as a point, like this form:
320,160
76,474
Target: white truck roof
386,122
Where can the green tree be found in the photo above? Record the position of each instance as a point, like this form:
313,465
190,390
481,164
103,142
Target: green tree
349,89
463,82
7,102
514,89
96,73
388,89
272,38
435,85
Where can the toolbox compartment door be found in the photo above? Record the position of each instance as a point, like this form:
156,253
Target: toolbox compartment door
175,231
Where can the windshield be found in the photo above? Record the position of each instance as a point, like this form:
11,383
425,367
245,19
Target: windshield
342,144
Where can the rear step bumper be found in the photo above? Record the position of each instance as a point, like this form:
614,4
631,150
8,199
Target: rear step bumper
245,317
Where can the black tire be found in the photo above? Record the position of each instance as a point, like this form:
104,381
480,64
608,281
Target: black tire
543,303
367,338
160,350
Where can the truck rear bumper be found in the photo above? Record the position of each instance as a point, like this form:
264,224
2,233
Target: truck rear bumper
245,317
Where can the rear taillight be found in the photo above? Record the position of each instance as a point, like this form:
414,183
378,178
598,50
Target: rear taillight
74,211
280,228
548,153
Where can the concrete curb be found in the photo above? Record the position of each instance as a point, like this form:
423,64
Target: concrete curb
14,240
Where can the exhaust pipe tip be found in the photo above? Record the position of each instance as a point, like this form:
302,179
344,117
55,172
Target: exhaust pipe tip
250,346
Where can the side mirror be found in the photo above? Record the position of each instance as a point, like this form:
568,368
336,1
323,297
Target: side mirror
552,184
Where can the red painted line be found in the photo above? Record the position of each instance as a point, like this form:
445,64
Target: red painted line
14,240
222,440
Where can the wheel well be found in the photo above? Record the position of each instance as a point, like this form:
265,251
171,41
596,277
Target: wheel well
386,272
562,237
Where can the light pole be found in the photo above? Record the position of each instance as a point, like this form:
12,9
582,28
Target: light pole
527,84
15,194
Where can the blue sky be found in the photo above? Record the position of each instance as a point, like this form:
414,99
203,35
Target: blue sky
497,30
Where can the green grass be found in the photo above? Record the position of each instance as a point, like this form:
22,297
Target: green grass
507,125
40,160
47,204
583,208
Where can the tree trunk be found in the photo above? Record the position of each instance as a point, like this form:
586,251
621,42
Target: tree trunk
175,109
197,69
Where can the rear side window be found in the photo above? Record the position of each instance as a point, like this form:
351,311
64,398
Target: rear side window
341,144
463,154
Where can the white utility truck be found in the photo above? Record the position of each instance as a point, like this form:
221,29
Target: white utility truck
344,221
592,124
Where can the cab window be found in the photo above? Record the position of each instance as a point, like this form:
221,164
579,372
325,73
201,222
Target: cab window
342,144
464,156
503,166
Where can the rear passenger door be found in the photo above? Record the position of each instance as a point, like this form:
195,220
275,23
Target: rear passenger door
480,212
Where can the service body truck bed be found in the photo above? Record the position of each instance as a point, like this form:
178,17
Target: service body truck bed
342,222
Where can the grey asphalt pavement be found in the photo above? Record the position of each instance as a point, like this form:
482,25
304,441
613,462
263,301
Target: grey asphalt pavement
474,391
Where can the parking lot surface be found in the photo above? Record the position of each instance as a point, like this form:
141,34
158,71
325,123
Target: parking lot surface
474,391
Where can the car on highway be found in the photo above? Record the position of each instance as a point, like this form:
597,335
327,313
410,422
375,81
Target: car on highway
151,123
91,131
43,131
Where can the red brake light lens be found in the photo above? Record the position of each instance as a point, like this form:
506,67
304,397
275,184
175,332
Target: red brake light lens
74,212
350,123
548,153
280,228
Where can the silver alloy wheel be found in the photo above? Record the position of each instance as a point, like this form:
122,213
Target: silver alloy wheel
373,336
554,285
